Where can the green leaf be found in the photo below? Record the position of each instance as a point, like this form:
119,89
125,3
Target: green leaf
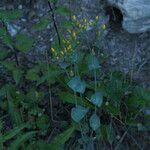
1,144
67,24
69,98
50,76
3,53
42,24
2,91
97,99
94,122
9,65
9,15
112,109
13,132
23,43
42,122
77,85
5,37
32,96
42,145
21,139
33,74
64,11
78,113
15,116
110,134
61,139
17,74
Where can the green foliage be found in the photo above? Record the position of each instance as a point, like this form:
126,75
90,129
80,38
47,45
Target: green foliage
67,97
64,11
3,53
12,133
17,74
10,15
42,24
5,37
94,122
23,43
96,103
77,85
60,139
21,139
97,99
78,113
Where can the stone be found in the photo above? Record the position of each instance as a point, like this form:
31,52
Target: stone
13,29
136,14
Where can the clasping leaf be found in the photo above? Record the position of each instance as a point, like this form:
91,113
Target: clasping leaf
97,99
78,113
77,85
94,122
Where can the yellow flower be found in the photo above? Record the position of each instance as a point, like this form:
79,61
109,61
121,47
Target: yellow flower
85,20
74,17
78,42
68,42
64,41
65,50
69,31
103,26
80,26
74,35
52,49
62,53
96,18
84,27
69,47
90,23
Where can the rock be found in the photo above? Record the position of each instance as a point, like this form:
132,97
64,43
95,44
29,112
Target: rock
13,29
136,14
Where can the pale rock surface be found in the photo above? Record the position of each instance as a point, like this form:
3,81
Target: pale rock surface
136,14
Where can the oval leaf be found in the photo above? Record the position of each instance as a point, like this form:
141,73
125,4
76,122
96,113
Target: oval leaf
94,122
78,113
97,99
23,43
77,85
64,11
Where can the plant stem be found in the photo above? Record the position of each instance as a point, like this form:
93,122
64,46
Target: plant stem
54,22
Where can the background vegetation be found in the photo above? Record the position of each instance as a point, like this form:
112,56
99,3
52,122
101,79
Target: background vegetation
67,100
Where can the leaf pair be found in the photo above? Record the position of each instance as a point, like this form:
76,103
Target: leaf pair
77,85
78,113
97,99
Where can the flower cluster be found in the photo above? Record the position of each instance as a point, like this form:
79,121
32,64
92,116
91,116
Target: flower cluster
84,24
71,40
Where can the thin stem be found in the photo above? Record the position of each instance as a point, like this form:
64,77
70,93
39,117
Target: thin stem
76,103
95,82
54,22
49,90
